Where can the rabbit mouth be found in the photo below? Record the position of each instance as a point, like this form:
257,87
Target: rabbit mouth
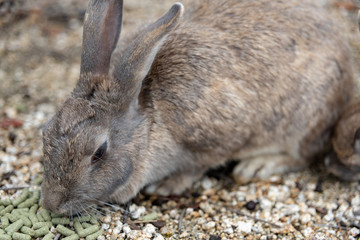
77,207
337,168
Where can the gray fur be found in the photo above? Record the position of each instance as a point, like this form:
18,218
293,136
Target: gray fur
344,160
261,81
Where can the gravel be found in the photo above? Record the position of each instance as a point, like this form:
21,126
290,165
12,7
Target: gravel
39,66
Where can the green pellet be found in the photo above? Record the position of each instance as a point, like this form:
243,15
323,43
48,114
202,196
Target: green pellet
14,227
36,195
37,181
19,212
84,218
88,231
12,218
41,231
8,209
86,225
77,226
33,218
28,203
23,196
62,221
4,221
2,207
26,221
150,217
56,215
93,220
64,230
4,237
2,231
40,218
34,209
20,236
42,224
27,230
49,236
45,214
94,236
72,237
5,202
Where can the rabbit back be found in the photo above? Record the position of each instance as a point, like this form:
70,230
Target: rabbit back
237,78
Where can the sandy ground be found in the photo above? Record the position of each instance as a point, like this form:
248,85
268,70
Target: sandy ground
40,46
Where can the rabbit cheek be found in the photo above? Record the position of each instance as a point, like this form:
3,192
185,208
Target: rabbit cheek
113,177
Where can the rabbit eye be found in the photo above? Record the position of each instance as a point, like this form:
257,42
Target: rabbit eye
99,154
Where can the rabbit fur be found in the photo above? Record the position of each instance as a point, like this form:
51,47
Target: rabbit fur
258,81
344,159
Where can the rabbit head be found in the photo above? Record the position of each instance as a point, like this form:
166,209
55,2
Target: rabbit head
93,144
344,161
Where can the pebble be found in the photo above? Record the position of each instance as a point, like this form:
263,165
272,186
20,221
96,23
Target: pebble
265,203
206,183
119,224
184,235
210,225
126,229
158,237
307,231
354,231
166,231
329,216
107,219
229,230
206,207
136,212
305,218
134,234
105,226
149,230
189,210
355,201
224,195
244,227
174,213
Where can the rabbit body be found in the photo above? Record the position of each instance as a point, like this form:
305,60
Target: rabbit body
259,81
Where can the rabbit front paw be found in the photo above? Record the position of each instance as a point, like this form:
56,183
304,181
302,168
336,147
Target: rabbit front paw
174,184
262,167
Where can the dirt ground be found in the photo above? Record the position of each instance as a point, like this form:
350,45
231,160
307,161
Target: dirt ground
40,48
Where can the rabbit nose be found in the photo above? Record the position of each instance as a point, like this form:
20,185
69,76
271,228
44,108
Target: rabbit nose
52,201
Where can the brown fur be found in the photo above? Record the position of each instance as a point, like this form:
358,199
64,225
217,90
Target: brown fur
261,81
344,161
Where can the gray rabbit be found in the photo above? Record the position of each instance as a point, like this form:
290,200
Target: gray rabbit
258,81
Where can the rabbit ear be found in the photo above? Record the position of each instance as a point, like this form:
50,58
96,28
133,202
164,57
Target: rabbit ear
129,67
102,27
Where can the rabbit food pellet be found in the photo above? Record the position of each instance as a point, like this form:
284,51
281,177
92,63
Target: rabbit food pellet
64,230
23,219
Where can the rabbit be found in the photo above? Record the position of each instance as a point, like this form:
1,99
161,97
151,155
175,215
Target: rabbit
262,82
344,159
